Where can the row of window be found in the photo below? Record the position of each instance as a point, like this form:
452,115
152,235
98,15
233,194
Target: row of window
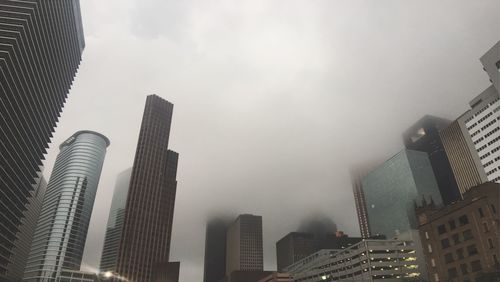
462,220
475,267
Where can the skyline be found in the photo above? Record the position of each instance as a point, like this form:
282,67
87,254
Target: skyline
260,115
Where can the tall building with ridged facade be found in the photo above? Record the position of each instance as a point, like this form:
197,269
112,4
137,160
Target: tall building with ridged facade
63,223
144,244
41,43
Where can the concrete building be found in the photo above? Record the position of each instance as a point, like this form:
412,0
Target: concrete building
149,209
36,75
114,226
78,276
483,119
277,277
368,260
63,223
460,241
424,136
215,250
390,191
244,250
464,160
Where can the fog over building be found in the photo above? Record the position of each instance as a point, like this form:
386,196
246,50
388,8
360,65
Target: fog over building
36,73
215,250
62,226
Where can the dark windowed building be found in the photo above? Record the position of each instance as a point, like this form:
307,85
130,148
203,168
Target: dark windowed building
149,207
215,250
460,241
41,43
424,136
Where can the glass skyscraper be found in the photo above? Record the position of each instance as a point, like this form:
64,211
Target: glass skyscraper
115,222
392,189
62,227
41,44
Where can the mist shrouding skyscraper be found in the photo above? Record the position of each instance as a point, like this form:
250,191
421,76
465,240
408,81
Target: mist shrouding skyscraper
39,57
149,208
215,250
115,222
424,136
244,250
294,247
62,227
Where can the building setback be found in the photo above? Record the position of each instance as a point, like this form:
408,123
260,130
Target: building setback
460,241
215,250
424,136
63,223
36,73
149,209
244,250
115,222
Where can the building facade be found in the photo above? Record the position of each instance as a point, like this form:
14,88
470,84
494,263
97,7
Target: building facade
294,247
391,189
464,160
424,136
215,250
115,222
460,241
62,226
483,119
36,72
244,250
149,208
368,260
277,277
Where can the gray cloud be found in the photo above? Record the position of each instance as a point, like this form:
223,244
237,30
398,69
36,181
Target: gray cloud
274,101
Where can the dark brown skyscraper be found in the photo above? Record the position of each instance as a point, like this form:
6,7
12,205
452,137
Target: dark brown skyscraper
149,210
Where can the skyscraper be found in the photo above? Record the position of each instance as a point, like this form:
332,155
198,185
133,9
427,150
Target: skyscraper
215,250
39,57
424,136
115,222
149,209
391,189
294,247
244,245
67,206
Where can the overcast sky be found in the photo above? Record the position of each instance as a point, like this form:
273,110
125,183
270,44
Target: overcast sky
274,101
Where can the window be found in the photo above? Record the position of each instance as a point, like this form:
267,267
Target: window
493,208
426,235
436,277
490,243
468,235
472,250
452,273
456,239
463,268
448,258
463,220
445,243
485,227
452,224
481,214
475,266
498,65
429,248
495,260
433,262
441,229
460,253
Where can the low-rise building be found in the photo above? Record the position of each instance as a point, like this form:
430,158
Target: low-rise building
461,241
368,260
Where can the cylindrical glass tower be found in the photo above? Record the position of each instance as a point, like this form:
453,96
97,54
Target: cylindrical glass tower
63,223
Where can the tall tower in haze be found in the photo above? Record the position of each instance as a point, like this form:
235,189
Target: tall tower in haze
215,250
62,227
39,57
149,208
244,244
